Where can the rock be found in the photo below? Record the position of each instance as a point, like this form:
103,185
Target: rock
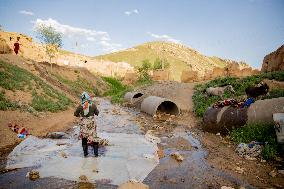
57,135
227,187
133,185
177,156
63,154
274,61
273,173
33,175
249,151
281,172
239,170
83,178
150,137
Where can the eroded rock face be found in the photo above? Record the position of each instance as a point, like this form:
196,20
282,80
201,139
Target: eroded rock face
274,61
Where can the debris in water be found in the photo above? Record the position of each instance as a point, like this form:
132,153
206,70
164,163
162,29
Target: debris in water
103,142
33,175
160,153
177,156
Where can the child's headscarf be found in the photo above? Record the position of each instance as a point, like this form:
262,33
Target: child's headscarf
86,102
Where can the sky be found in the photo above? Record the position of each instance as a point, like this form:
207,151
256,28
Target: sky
242,30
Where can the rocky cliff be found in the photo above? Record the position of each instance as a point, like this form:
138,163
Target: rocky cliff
274,61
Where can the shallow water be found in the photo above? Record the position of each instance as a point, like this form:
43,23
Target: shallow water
129,156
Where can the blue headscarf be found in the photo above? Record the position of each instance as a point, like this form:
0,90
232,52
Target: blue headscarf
86,102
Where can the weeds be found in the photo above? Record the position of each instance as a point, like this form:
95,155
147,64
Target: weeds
117,89
260,132
5,104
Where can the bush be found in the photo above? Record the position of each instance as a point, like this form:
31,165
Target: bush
117,89
260,132
158,64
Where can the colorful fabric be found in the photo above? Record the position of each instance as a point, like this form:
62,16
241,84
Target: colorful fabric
22,132
86,102
88,129
228,102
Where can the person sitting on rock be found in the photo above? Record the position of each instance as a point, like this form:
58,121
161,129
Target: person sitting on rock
88,128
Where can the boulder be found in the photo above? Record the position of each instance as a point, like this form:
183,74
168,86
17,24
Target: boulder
274,61
57,135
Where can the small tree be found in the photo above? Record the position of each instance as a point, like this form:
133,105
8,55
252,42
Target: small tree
51,39
158,64
143,70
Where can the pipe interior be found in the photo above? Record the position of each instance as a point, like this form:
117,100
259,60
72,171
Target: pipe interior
168,107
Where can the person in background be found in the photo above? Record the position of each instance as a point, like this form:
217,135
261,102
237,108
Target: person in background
87,111
17,45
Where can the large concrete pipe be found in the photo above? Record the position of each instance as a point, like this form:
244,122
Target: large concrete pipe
132,96
151,104
224,119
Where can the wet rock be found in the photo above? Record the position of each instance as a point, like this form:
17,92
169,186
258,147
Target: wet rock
57,135
273,173
63,154
83,178
177,156
133,185
33,175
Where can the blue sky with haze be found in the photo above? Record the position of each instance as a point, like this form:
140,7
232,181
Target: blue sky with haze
241,30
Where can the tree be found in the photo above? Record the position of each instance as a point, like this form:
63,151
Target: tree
158,64
143,70
51,39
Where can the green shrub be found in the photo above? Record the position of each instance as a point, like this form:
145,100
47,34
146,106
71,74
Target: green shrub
260,132
117,89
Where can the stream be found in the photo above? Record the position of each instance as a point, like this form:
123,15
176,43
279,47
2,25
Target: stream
130,156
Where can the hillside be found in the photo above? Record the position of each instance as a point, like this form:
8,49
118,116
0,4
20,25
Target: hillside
40,99
180,57
32,50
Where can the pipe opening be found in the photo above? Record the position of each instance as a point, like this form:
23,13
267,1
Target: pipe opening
168,107
137,95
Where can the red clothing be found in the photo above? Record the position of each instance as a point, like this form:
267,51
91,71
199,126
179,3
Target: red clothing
16,47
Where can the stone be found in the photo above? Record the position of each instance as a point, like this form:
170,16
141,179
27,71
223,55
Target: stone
273,173
227,187
63,154
57,135
274,61
133,185
281,172
177,156
33,175
239,170
83,178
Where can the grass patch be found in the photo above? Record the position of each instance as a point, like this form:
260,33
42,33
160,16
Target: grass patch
79,85
202,102
5,104
258,132
14,78
117,89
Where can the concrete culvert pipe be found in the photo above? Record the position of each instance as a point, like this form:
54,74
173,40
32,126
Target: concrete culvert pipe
151,104
132,96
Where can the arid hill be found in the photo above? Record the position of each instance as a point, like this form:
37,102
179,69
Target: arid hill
180,57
